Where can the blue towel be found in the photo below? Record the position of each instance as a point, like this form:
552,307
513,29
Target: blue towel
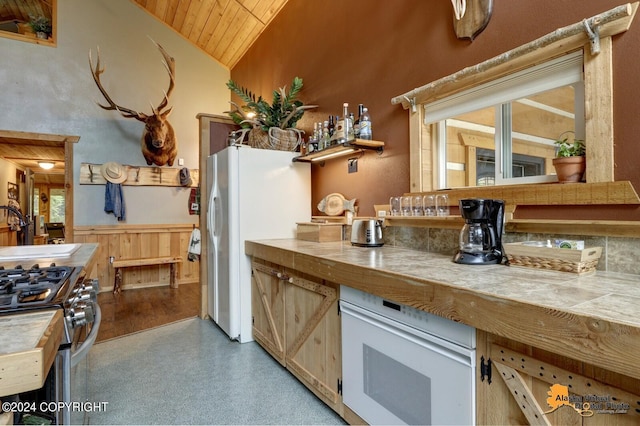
113,200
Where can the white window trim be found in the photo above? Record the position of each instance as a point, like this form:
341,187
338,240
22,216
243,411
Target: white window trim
558,72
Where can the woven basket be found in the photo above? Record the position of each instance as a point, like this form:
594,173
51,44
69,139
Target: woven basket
277,139
556,259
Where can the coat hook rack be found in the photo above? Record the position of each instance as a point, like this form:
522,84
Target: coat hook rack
90,174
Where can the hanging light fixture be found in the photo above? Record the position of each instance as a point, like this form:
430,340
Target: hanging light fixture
47,165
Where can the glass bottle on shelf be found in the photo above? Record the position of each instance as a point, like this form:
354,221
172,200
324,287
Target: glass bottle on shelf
313,139
341,134
350,134
326,139
332,126
366,132
356,123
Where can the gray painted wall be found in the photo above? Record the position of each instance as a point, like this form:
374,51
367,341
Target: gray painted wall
50,90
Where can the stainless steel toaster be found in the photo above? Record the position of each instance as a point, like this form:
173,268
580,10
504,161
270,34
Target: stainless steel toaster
367,233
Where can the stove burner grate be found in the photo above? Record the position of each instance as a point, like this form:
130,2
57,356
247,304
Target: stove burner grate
37,286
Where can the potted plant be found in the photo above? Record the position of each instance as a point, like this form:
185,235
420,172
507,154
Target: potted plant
41,26
272,124
570,162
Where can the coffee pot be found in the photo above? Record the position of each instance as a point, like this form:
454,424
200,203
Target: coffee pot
481,235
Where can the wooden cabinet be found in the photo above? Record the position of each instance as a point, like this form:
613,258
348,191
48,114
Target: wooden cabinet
267,308
296,320
528,386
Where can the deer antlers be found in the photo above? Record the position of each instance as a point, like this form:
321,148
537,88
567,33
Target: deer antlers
169,64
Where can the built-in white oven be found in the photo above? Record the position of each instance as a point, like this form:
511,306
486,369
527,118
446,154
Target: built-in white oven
401,365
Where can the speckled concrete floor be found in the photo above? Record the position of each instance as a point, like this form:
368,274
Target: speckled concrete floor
189,372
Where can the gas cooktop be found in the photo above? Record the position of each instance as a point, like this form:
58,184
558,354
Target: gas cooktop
34,287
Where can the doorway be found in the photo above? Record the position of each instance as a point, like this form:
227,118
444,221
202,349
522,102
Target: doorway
30,152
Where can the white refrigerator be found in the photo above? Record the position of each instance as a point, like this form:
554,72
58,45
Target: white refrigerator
253,194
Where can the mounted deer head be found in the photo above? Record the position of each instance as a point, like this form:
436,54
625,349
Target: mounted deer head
159,145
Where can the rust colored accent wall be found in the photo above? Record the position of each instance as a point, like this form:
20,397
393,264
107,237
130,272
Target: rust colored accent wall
368,51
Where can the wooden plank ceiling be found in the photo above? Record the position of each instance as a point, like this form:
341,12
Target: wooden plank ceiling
224,29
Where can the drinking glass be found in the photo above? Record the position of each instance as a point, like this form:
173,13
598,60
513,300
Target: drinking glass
416,205
394,206
442,204
429,205
405,205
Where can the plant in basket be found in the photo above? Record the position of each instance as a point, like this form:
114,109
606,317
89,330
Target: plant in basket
272,124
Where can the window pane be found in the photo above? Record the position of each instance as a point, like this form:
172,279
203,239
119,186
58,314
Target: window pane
536,122
466,134
36,201
525,130
56,205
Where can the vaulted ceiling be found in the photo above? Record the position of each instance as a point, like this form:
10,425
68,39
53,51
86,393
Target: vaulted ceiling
224,29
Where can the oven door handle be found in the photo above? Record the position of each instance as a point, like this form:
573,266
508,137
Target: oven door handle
81,352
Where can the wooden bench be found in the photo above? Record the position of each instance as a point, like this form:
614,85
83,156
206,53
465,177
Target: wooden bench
118,265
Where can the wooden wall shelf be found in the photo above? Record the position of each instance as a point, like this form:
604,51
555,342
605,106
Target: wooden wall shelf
347,148
552,194
138,175
446,222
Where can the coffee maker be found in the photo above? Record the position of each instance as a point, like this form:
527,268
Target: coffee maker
481,236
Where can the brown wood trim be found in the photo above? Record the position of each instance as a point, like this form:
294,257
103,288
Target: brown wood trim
68,190
598,79
50,342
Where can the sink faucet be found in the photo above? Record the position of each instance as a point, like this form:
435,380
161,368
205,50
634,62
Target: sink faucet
22,221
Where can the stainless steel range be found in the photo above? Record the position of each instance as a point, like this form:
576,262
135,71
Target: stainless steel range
56,287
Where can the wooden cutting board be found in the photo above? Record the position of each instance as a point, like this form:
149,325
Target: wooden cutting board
32,341
475,20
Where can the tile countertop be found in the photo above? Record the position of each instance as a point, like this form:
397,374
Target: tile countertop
592,318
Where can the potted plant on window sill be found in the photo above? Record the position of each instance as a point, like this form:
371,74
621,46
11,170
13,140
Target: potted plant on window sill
272,126
570,162
41,26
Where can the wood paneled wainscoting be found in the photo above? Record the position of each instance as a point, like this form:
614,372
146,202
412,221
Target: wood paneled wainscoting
123,242
7,236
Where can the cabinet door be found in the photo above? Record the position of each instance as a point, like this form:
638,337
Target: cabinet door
313,338
267,307
533,386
